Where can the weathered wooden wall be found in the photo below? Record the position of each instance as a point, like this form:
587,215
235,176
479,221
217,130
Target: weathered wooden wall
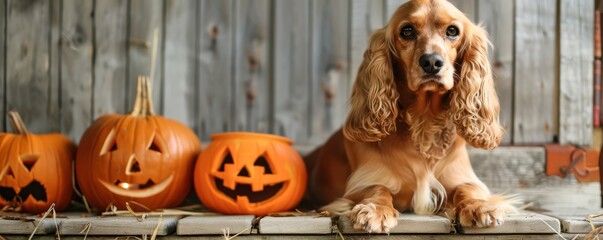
280,66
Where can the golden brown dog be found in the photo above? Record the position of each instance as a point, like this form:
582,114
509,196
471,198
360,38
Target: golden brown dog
424,89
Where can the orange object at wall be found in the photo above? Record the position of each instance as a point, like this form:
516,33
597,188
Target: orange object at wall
583,163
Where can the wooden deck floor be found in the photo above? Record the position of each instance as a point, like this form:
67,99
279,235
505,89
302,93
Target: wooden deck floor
526,225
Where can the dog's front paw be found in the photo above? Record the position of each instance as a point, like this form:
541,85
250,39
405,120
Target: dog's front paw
478,213
374,218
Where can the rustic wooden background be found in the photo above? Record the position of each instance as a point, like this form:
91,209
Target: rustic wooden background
268,66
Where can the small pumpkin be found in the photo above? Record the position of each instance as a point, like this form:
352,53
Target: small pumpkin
250,173
140,157
35,170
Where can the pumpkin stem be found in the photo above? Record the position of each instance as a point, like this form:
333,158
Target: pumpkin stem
17,123
143,106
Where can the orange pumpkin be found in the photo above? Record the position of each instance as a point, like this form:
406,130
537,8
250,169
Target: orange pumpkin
250,173
139,157
35,170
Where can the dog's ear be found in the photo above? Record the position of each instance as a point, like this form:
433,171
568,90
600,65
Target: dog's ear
373,105
474,103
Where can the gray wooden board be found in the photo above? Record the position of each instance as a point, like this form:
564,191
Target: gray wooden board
391,7
179,78
468,7
407,223
54,64
110,87
27,227
497,18
574,220
534,103
521,170
576,50
29,85
3,112
145,18
208,225
291,69
295,225
366,17
117,226
76,68
330,67
522,223
215,67
332,236
252,42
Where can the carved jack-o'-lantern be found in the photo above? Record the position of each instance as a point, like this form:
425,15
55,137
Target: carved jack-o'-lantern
35,170
250,173
138,157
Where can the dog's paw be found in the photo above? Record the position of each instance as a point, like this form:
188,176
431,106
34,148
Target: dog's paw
374,218
479,213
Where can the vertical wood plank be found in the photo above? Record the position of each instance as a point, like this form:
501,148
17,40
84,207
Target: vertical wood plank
367,16
76,67
29,89
576,53
497,17
330,76
534,71
391,7
216,38
109,82
251,86
292,68
145,18
468,7
179,65
54,63
3,111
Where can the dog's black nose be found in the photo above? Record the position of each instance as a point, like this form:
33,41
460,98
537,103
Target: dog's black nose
431,63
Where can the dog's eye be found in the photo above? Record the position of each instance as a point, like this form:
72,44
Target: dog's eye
452,32
408,33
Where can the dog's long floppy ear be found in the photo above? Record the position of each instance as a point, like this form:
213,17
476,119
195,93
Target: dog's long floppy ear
474,103
373,105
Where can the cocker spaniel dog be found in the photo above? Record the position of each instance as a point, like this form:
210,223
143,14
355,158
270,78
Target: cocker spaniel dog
423,91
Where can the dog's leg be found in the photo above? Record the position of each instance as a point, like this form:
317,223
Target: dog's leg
475,207
375,213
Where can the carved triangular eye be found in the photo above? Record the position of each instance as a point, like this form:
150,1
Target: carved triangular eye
8,171
29,160
261,161
110,144
154,147
227,160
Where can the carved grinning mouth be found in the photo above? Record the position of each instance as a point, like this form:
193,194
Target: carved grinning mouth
138,190
34,189
244,190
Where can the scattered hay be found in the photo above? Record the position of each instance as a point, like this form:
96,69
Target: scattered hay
54,214
86,229
226,233
154,236
298,213
111,211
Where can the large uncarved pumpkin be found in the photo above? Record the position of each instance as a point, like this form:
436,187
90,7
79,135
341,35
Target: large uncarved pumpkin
139,157
250,173
35,170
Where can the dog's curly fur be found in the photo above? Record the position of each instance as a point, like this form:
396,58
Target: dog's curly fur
403,143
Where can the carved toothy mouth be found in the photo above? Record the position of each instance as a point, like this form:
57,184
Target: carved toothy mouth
138,190
34,189
243,190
